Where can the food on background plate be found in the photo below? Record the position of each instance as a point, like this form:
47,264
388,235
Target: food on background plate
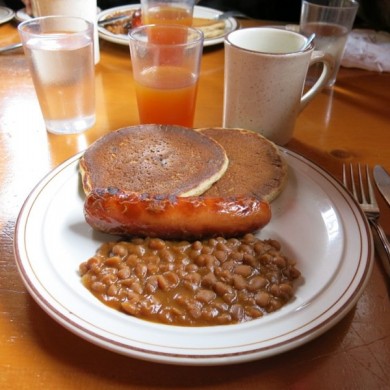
201,283
256,167
155,159
211,28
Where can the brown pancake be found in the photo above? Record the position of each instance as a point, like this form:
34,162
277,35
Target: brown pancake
155,159
256,167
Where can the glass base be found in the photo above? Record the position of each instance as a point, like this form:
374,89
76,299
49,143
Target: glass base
70,126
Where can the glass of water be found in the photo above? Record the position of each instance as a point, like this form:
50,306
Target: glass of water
331,21
59,50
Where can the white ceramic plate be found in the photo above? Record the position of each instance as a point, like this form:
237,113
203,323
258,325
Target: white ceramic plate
199,12
22,15
6,14
315,219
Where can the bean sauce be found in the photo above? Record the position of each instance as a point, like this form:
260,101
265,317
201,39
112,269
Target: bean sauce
212,282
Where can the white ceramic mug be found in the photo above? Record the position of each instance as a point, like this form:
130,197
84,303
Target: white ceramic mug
265,71
86,9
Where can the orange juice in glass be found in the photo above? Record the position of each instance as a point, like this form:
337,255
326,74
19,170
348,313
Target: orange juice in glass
167,12
166,74
166,95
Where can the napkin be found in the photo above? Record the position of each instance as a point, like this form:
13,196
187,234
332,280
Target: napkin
367,49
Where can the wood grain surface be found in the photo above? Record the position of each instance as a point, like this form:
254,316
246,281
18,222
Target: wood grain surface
350,123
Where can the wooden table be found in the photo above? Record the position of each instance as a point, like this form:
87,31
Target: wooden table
347,124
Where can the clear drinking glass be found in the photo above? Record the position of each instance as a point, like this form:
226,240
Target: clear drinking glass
59,50
86,9
166,64
331,21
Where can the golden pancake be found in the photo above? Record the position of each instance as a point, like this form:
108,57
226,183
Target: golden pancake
156,159
256,167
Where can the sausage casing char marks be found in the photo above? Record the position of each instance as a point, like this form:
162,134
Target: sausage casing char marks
170,217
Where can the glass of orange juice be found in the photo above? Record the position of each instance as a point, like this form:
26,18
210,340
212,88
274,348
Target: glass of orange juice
167,11
166,73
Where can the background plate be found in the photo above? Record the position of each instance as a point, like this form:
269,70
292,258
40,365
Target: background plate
316,220
199,12
22,15
6,14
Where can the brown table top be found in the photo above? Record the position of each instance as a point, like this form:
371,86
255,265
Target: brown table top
347,124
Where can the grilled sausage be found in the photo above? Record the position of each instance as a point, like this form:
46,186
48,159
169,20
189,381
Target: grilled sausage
170,217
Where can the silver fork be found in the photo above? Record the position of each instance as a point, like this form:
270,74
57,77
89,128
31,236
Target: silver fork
369,205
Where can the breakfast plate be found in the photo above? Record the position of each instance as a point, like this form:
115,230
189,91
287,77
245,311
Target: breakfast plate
6,14
199,12
315,219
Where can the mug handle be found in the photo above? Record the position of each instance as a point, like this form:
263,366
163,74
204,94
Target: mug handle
328,65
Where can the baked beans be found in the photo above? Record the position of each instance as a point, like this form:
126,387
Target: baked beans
202,283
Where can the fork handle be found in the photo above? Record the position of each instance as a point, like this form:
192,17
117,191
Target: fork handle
384,254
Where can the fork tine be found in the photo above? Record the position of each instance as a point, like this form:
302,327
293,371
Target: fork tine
362,190
351,188
345,181
370,188
353,183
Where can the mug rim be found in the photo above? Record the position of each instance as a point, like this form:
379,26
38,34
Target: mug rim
268,53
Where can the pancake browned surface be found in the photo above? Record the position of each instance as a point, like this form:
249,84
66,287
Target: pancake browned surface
155,159
256,167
